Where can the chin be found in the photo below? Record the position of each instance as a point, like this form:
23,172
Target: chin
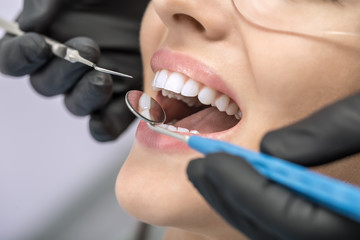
156,190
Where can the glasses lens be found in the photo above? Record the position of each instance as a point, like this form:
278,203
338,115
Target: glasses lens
311,17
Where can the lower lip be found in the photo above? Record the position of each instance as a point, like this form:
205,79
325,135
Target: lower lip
155,140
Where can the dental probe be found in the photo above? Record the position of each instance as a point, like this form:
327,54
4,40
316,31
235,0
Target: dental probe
336,195
59,49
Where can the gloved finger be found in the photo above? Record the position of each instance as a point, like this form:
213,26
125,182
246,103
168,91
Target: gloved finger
59,75
199,175
197,172
325,136
23,55
108,123
37,14
89,94
237,191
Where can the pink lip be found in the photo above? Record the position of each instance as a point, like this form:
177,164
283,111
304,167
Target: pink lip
154,140
194,69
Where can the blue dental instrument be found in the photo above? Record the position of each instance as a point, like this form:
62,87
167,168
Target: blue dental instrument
336,195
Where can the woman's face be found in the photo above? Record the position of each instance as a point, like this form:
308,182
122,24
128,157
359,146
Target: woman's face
204,49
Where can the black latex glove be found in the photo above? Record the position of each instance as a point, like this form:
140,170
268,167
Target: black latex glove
111,29
327,135
263,209
260,208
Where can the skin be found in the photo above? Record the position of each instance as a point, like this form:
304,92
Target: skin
278,78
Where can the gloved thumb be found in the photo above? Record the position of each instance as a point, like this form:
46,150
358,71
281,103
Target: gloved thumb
327,135
23,55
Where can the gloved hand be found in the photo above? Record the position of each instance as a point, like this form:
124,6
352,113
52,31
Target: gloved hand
262,209
327,135
109,30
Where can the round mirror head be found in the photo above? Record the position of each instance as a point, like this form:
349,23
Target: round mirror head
145,107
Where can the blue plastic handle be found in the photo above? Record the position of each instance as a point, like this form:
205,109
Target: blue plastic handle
336,195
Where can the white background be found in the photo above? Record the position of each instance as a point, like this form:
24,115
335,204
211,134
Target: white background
56,182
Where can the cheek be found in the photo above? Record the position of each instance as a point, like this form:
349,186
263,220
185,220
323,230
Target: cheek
295,75
151,36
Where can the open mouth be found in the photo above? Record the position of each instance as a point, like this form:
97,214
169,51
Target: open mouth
192,107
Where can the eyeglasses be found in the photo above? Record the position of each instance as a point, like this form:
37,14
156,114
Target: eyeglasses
321,18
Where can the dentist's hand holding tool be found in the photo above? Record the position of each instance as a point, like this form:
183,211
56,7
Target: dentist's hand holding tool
263,209
109,37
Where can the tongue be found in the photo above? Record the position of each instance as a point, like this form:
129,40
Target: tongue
209,120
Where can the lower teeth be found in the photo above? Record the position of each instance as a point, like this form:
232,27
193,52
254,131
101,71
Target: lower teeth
178,129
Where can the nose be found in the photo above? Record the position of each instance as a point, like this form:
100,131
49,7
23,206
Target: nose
206,18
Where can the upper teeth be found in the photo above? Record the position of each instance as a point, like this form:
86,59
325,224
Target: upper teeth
177,85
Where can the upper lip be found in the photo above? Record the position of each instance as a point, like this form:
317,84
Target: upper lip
194,69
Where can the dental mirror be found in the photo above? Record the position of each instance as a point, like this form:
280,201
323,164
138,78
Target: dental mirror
149,110
145,107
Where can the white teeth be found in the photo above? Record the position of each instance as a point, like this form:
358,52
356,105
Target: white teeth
232,109
222,102
154,81
160,79
191,102
165,93
175,82
183,130
207,95
178,86
145,105
145,101
146,114
178,129
191,88
172,128
238,116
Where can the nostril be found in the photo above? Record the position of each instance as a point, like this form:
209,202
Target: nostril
186,19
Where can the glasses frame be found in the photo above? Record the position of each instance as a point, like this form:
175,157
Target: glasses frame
325,33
